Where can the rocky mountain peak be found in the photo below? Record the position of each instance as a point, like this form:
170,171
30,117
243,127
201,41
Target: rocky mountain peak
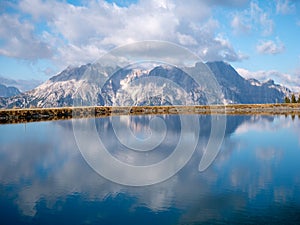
99,84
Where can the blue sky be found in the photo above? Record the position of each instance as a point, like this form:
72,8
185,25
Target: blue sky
259,38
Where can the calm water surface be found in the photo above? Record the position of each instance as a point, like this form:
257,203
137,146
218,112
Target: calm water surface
255,178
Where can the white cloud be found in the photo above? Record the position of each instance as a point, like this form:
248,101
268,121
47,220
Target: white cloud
80,34
39,9
290,81
239,26
192,10
78,55
221,49
185,39
261,18
285,7
17,39
270,47
252,19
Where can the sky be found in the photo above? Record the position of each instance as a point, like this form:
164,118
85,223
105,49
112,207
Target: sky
260,39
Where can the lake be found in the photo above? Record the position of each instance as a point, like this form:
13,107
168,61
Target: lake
47,177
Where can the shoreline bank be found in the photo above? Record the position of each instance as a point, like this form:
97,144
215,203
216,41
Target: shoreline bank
8,116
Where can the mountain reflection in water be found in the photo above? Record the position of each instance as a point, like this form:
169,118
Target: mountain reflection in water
255,178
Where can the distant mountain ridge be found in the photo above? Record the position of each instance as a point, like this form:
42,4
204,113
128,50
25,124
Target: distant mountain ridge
160,85
22,85
8,91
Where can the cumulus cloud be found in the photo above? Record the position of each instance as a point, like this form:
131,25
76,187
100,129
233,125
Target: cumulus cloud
291,81
221,49
285,7
17,39
70,34
270,47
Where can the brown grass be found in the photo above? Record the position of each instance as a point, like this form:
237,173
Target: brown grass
44,114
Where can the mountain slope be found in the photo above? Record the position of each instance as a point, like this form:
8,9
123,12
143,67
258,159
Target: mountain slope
152,85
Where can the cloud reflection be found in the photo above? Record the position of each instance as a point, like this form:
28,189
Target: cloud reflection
47,166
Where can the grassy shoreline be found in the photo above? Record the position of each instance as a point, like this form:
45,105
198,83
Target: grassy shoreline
8,116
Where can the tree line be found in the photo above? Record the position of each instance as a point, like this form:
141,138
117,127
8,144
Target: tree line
293,99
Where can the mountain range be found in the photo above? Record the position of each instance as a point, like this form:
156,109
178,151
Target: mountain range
21,85
90,84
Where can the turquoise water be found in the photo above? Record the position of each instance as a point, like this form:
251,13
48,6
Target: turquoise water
255,178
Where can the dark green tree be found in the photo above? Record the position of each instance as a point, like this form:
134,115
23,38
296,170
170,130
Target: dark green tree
298,101
293,99
287,99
